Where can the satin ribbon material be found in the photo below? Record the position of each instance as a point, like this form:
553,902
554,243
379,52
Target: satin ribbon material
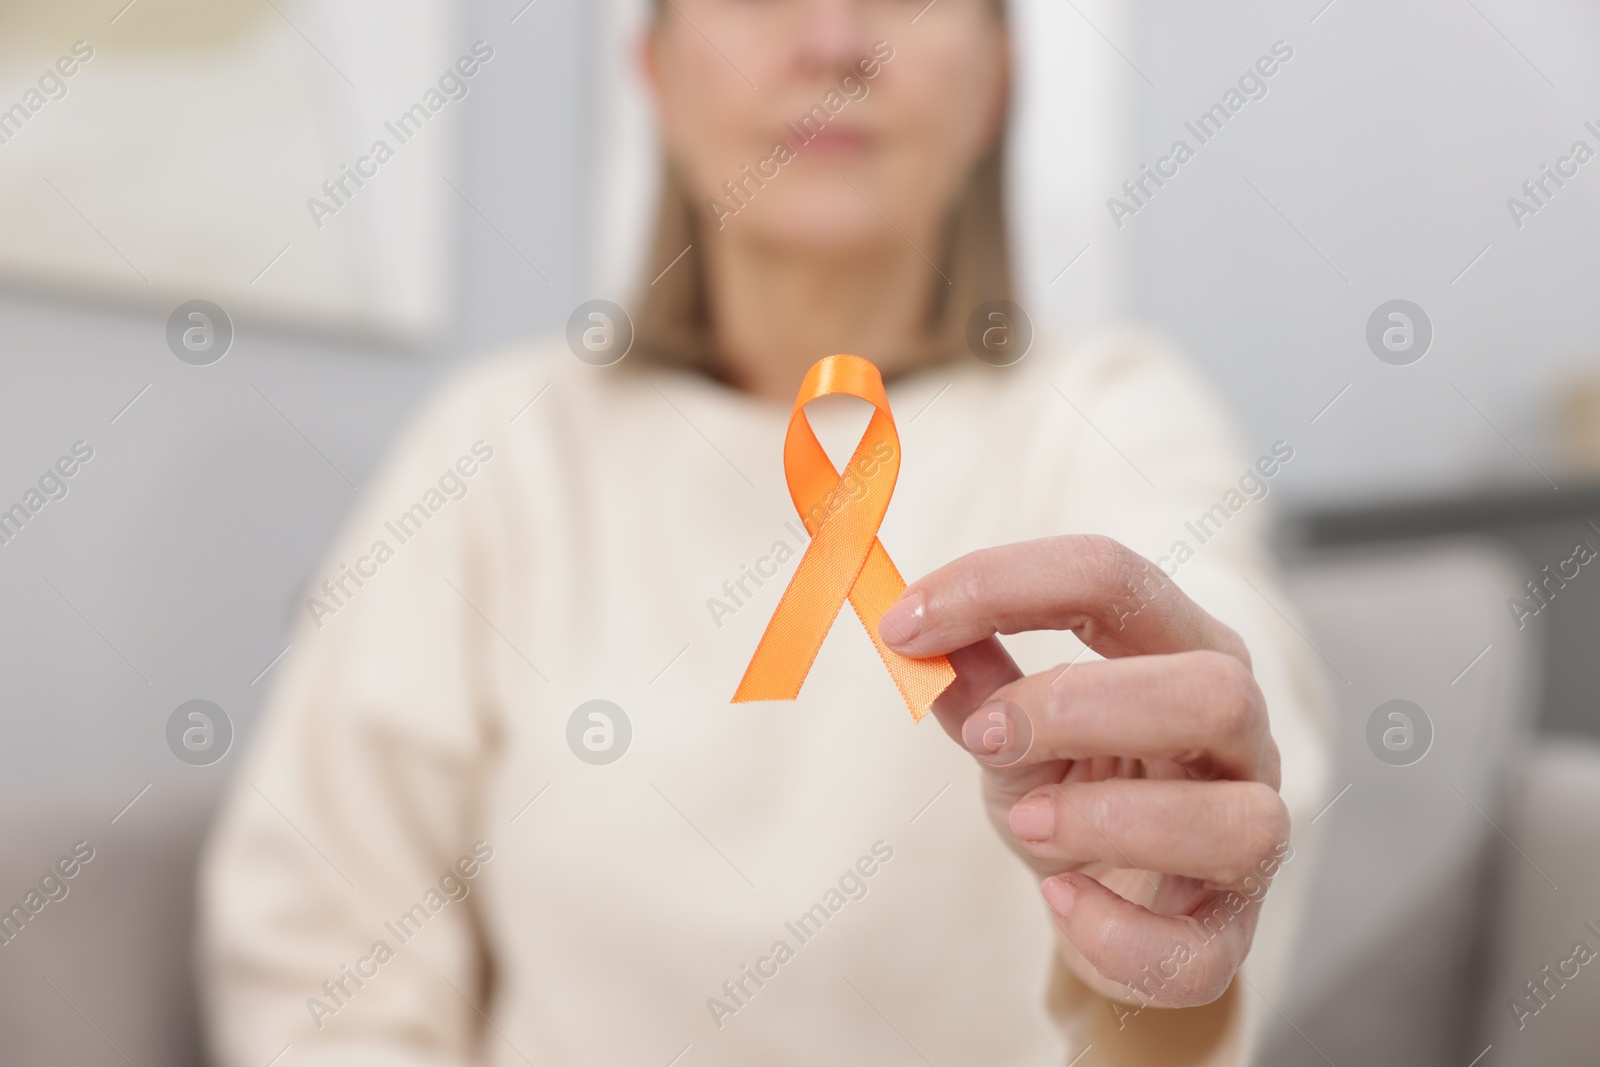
842,513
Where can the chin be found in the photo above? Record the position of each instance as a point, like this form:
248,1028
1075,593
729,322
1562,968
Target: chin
816,224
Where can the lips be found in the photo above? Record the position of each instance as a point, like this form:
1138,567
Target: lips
837,142
831,142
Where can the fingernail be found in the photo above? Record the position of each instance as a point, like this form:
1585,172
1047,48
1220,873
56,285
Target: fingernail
1034,819
1058,893
902,623
985,731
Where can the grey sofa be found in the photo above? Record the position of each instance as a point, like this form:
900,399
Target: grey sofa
1435,889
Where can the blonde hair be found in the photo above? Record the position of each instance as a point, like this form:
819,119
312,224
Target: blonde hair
672,324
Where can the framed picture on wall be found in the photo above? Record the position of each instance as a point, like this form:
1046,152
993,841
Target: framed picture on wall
283,158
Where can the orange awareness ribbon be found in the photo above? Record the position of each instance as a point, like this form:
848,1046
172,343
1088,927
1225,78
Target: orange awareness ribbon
842,513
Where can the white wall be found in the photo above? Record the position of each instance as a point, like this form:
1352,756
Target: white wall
1391,141
184,541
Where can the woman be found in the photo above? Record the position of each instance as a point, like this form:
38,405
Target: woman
443,852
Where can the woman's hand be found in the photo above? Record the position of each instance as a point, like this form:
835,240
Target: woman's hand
1144,786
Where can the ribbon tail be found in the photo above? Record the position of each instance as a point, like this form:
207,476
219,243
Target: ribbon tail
794,635
876,588
768,680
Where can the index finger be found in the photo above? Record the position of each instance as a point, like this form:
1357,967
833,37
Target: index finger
1116,601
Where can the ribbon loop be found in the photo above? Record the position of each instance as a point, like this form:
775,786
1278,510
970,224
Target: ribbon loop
845,559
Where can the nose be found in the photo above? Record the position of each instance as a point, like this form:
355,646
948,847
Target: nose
831,35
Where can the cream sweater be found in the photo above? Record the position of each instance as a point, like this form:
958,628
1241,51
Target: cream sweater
424,860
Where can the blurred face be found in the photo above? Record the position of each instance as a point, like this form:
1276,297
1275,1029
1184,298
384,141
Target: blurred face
773,109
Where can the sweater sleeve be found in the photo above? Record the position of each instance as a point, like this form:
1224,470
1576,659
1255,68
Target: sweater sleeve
1153,463
338,912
